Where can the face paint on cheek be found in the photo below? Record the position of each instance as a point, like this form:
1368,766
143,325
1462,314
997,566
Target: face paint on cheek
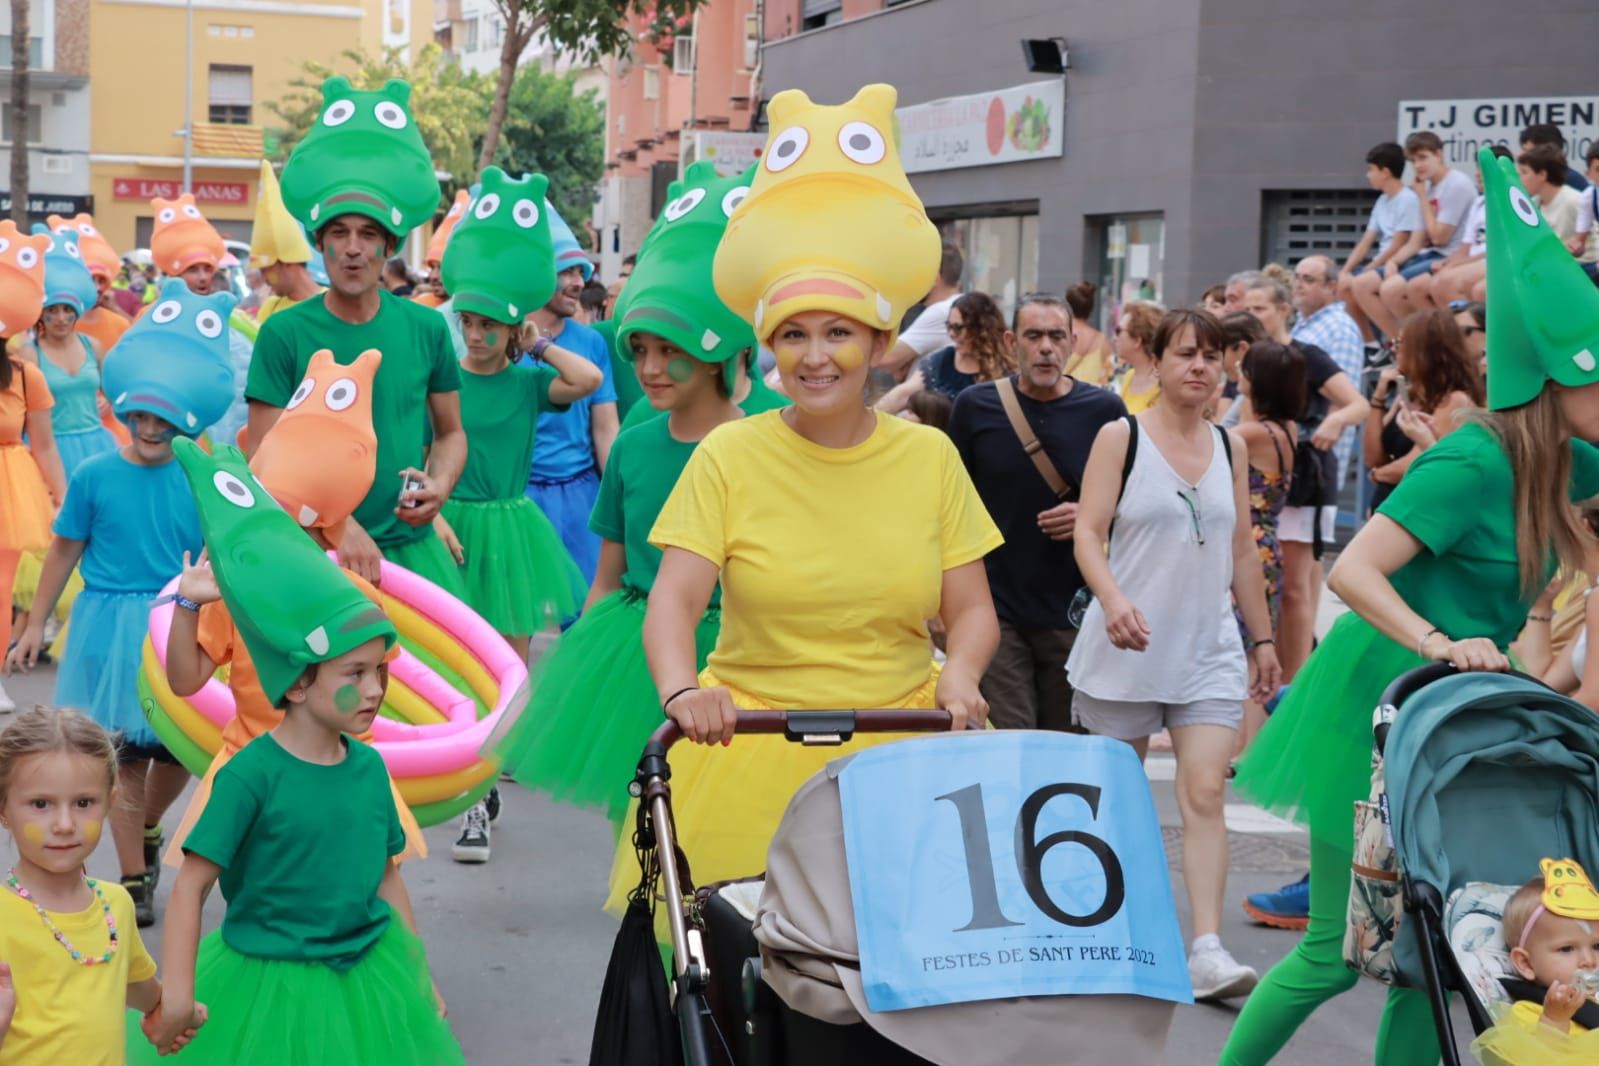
33,833
788,357
849,356
680,368
91,831
347,699
491,339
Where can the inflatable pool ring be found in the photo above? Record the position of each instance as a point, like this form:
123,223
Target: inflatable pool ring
452,683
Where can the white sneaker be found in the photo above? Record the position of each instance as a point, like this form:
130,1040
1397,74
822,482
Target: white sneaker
473,844
1217,975
7,704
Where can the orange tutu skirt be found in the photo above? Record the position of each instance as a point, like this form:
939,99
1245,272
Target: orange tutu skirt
25,511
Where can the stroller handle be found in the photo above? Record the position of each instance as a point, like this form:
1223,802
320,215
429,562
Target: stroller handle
816,727
1411,682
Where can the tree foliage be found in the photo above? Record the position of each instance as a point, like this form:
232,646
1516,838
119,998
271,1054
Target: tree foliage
552,129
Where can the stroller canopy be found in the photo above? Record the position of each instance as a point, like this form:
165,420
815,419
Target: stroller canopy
1486,774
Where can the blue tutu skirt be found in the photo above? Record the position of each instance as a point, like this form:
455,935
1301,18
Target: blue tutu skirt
75,448
99,674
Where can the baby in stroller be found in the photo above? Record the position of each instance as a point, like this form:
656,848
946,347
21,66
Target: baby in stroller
1551,928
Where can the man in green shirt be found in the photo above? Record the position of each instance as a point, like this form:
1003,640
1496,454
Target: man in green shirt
361,186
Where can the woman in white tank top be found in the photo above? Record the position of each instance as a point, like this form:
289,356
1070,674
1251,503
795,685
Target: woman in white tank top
1159,646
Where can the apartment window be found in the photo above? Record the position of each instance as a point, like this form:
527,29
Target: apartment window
35,123
683,55
35,52
752,41
231,93
652,83
818,13
470,43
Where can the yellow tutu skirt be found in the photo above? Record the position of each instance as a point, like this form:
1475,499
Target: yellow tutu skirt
1513,1042
25,511
727,801
415,846
26,587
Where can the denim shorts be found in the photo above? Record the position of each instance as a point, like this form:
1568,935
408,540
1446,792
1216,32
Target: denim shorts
1420,263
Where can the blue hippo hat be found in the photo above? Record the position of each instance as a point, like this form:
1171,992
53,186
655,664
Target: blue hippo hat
498,261
173,362
66,276
362,156
568,253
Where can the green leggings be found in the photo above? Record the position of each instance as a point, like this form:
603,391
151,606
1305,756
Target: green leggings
1314,972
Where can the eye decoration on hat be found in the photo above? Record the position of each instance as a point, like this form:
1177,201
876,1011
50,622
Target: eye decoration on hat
173,362
1543,312
831,221
21,278
1567,891
256,552
319,458
67,281
101,259
500,262
363,156
182,237
670,293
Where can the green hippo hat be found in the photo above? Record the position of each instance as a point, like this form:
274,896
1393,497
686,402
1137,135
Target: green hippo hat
500,259
362,156
292,605
670,292
1543,312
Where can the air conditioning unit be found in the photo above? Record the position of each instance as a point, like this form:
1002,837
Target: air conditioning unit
56,164
683,55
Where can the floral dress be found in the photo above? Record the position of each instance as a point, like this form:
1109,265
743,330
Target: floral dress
1267,495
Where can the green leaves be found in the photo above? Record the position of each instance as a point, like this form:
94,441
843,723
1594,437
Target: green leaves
552,129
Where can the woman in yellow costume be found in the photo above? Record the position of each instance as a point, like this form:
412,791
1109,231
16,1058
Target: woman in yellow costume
835,531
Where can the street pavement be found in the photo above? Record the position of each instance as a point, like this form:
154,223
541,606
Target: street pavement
519,946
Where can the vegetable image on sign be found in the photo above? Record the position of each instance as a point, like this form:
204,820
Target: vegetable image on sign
1010,864
996,125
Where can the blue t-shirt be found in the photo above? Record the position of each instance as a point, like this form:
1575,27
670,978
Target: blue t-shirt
564,448
137,521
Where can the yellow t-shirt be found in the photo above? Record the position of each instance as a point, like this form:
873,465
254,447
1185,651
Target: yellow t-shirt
1137,402
832,558
68,1012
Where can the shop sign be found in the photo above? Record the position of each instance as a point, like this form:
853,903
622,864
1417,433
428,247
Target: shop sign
731,152
205,192
44,203
1009,126
1467,125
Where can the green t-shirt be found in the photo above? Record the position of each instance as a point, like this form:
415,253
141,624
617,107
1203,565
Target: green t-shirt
418,360
1458,499
499,412
761,398
302,848
643,469
629,393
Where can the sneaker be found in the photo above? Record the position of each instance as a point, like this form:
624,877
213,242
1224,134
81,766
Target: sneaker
491,802
1217,975
473,844
7,704
1286,908
143,900
153,839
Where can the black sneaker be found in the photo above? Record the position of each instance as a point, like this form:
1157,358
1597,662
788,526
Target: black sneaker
473,845
143,896
492,803
153,839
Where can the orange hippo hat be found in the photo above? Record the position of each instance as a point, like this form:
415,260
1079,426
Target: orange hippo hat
21,278
320,457
441,235
98,255
182,237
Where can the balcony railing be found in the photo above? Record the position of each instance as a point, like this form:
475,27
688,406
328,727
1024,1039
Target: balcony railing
212,139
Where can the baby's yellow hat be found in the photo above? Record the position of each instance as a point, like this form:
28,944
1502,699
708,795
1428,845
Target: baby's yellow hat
831,221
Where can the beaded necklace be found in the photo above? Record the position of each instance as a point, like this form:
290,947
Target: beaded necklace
55,931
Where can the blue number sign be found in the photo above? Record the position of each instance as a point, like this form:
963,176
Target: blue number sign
1008,864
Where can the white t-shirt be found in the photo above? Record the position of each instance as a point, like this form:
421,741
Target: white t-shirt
930,331
1399,213
1587,201
1451,201
1561,212
1474,231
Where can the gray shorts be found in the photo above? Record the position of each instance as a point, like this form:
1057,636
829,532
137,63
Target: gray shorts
1132,720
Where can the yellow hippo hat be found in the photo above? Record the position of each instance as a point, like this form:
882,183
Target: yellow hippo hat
831,221
276,237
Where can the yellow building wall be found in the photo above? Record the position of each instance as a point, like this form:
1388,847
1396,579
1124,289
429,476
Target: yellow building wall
137,85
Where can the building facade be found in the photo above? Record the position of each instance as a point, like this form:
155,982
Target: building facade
245,55
1193,138
58,108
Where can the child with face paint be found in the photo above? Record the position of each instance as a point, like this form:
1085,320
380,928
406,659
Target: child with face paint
126,523
71,960
835,530
580,736
1551,928
317,961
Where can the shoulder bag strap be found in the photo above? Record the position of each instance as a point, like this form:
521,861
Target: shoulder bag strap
1029,441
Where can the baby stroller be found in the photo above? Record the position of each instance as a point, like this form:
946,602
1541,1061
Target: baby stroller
766,973
1479,777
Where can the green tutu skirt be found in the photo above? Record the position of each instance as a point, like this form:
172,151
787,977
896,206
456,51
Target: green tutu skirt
429,558
1312,761
592,707
272,1012
518,575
